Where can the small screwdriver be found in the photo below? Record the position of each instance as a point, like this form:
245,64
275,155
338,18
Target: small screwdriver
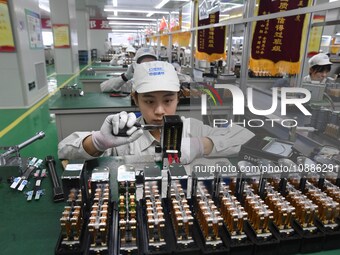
122,132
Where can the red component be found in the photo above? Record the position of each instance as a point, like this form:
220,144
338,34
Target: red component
176,158
170,158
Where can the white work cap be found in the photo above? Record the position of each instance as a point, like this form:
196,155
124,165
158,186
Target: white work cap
155,76
145,52
131,49
320,59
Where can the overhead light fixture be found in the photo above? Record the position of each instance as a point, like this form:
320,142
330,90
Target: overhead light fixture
111,9
44,7
115,4
150,14
161,4
124,31
137,19
164,2
129,23
126,28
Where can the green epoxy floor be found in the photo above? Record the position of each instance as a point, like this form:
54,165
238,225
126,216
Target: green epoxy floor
32,228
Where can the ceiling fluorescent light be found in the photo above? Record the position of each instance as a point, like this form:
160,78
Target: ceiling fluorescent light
115,4
161,4
128,23
126,28
123,30
110,9
136,19
44,7
150,14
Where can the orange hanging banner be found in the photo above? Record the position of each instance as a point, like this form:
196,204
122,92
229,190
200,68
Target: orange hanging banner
210,41
276,42
315,36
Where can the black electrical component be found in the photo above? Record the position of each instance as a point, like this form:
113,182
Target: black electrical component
171,139
58,193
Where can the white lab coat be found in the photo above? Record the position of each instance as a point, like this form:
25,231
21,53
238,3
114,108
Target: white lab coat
107,46
116,84
227,141
309,79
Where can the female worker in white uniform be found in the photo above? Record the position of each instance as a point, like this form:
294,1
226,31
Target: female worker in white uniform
319,67
155,92
144,54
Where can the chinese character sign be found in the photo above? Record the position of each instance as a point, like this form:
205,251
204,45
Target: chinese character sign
46,23
315,36
6,35
99,24
210,41
278,41
61,35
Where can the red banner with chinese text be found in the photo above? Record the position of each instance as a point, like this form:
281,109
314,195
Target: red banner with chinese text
46,23
101,24
276,43
210,41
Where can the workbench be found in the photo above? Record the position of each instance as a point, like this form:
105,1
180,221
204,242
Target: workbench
33,227
91,83
105,68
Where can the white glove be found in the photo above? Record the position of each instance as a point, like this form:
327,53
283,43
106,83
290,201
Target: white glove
191,148
107,136
129,72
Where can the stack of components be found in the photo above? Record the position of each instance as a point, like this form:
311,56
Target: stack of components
283,211
181,215
98,225
333,90
233,213
71,223
127,215
106,57
208,217
326,121
72,91
127,61
306,210
89,72
155,214
328,209
332,190
259,213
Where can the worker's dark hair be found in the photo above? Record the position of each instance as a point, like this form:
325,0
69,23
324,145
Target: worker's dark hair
320,69
139,60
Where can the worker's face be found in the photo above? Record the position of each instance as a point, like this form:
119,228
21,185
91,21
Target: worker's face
155,105
319,76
